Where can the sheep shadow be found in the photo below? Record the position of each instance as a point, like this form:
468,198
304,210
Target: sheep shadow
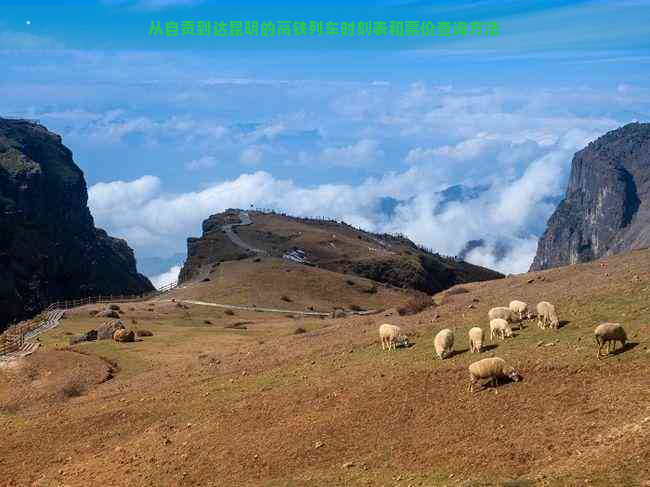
457,352
487,348
628,346
503,381
562,324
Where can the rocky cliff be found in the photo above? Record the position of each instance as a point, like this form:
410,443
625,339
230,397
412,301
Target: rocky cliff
49,246
606,209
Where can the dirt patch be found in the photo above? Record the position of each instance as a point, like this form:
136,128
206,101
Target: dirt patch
50,377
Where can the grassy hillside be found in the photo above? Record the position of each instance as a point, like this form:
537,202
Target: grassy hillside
244,400
334,246
278,283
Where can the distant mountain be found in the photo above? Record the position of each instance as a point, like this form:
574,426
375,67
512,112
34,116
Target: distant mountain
154,266
606,209
458,193
388,205
49,247
501,249
330,245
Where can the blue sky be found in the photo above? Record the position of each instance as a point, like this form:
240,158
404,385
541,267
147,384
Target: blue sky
167,137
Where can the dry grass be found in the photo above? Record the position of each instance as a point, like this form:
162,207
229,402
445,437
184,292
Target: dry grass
456,290
415,305
242,283
210,405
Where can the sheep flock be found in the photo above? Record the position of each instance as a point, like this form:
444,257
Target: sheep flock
500,320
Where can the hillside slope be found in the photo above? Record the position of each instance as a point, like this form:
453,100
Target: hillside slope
606,209
242,400
49,246
330,245
271,282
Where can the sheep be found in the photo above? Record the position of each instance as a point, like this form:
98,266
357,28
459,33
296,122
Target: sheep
546,315
608,334
500,328
390,335
444,343
493,368
520,308
475,339
501,312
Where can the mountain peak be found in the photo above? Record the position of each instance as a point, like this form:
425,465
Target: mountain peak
606,209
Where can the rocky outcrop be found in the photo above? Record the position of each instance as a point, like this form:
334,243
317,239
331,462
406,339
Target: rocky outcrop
606,209
49,247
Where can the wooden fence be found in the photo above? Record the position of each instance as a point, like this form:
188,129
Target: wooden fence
13,338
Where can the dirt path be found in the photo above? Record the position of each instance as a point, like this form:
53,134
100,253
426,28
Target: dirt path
251,308
245,219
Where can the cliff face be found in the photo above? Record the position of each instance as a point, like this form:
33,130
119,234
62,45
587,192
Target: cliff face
49,246
606,209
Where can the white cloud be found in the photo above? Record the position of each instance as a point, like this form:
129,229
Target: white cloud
251,155
205,162
166,277
357,154
10,39
120,194
517,260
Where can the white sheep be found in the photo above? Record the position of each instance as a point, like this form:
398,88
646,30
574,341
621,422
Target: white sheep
520,308
547,316
608,334
444,343
493,368
500,328
503,313
475,339
390,336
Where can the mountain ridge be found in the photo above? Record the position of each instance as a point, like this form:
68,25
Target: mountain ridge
331,245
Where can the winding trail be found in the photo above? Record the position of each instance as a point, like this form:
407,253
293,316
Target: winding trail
244,219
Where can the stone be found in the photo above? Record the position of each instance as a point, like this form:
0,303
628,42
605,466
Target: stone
107,330
124,336
108,313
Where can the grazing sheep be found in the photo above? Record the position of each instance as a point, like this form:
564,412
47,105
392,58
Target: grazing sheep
493,368
475,339
444,343
500,328
520,308
503,313
546,315
390,335
608,334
